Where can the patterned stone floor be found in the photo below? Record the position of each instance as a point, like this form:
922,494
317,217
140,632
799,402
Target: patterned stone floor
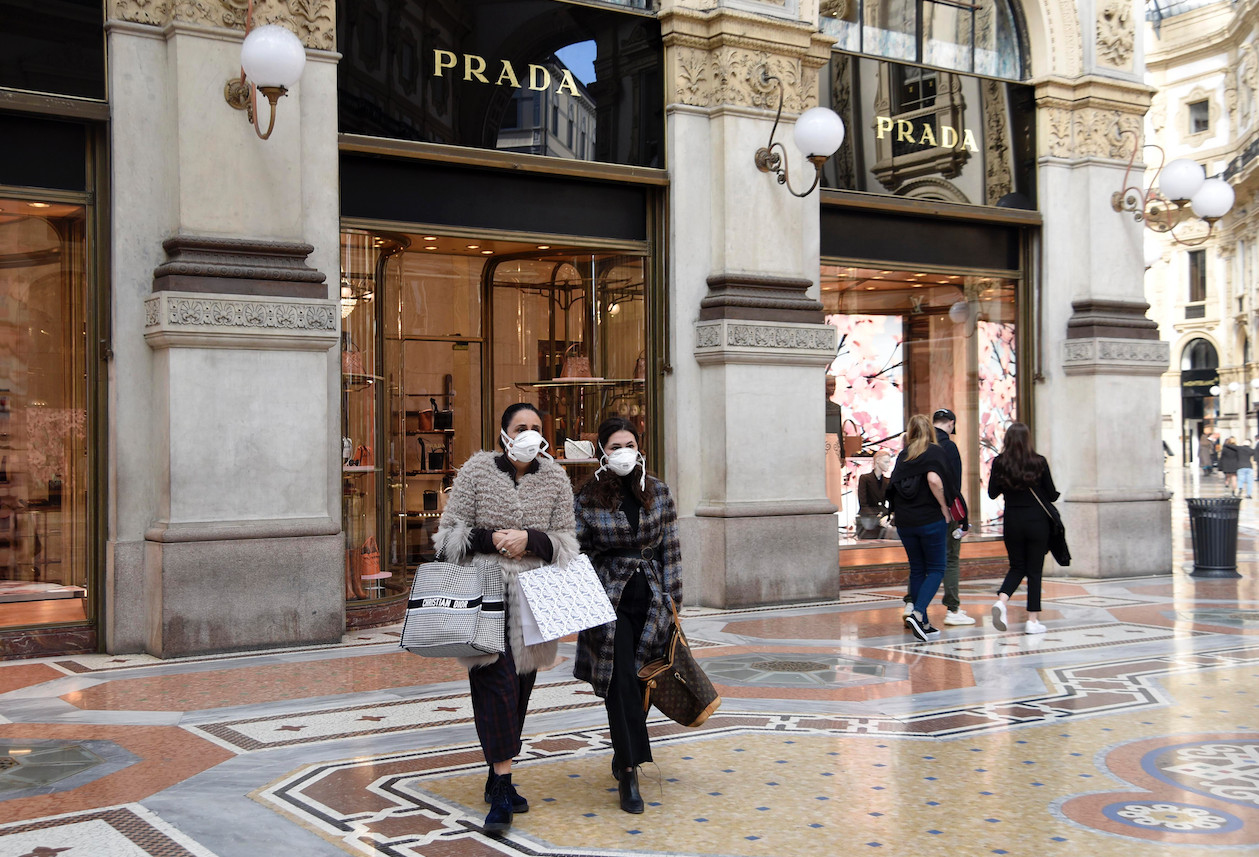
1131,727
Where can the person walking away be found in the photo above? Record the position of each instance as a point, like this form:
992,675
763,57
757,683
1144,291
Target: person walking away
922,489
945,422
1022,475
1230,463
516,505
1206,453
1245,470
627,523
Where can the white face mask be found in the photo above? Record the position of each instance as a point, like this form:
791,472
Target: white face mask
623,461
526,446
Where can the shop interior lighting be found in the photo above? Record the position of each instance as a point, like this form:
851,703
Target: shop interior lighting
819,133
1184,193
271,61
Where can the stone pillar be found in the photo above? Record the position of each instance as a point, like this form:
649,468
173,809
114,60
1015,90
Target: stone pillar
745,402
1097,404
224,499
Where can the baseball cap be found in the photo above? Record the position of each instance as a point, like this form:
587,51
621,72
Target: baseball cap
945,414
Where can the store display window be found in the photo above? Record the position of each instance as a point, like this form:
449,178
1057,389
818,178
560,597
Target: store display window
911,342
440,333
44,563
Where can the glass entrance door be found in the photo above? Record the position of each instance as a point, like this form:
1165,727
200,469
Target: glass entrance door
44,551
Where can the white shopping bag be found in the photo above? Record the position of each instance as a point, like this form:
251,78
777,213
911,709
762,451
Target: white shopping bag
558,601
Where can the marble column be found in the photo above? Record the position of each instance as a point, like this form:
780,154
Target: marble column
744,403
224,515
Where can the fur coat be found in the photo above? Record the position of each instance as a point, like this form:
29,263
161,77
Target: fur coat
600,530
485,496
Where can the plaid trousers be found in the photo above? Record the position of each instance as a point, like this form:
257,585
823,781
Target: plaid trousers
500,699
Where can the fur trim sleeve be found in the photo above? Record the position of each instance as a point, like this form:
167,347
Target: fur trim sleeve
563,547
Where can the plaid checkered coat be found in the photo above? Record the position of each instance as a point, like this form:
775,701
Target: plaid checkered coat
600,530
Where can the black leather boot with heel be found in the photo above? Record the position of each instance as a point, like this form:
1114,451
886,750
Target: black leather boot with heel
631,800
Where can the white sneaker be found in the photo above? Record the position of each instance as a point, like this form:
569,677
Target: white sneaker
958,617
909,610
998,616
1034,627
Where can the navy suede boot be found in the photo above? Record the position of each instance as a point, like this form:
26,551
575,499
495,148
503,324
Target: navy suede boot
498,819
518,802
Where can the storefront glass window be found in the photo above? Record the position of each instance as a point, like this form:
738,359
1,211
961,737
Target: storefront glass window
910,342
466,326
43,413
978,38
601,67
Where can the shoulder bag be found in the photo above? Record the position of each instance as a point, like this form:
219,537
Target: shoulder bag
455,611
676,683
1057,532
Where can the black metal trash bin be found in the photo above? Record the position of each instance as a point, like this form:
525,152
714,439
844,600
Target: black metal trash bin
1213,526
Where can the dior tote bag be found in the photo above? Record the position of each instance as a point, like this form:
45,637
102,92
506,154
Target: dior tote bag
455,611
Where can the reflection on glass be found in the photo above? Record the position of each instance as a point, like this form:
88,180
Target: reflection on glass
43,406
914,341
958,35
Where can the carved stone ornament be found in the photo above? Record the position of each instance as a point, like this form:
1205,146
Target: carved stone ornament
174,319
311,20
733,77
1088,132
1115,357
1115,34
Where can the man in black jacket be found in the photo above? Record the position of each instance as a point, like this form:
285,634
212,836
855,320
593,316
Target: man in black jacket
945,422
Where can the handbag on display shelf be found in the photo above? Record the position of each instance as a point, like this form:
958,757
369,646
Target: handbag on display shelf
437,459
429,501
676,683
640,366
455,610
442,419
852,442
578,448
576,364
560,600
369,558
364,457
1057,532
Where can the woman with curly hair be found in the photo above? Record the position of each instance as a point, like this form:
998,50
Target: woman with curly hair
627,523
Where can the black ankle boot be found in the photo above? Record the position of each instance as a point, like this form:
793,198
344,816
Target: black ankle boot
631,800
518,802
498,819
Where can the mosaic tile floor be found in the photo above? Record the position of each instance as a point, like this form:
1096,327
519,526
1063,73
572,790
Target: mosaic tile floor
1130,727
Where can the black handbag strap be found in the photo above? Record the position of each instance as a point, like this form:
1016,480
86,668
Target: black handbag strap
1052,517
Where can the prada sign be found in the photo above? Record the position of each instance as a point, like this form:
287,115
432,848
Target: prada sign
931,134
561,80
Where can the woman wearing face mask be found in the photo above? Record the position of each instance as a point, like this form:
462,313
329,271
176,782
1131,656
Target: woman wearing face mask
517,505
628,525
872,505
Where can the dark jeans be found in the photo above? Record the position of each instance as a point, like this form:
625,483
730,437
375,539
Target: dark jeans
1026,543
927,553
627,722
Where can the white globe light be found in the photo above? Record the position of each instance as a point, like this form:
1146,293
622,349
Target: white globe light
1215,390
819,131
1181,179
1254,382
959,313
1234,386
1153,255
272,56
1213,199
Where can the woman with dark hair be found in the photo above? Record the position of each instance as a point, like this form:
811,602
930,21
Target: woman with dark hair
516,505
922,489
628,525
1023,477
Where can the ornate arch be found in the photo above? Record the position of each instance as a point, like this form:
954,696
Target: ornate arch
1055,42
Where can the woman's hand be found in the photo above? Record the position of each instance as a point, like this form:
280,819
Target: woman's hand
511,543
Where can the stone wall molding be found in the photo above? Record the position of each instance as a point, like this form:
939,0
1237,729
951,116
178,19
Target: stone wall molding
764,508
174,319
1092,319
1110,356
731,341
759,296
213,531
717,58
1086,117
238,266
312,20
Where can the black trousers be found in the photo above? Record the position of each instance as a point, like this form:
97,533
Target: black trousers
500,699
1026,543
627,722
